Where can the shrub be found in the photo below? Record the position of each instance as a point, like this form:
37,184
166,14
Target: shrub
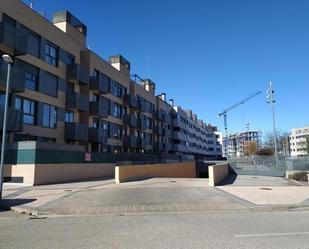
299,176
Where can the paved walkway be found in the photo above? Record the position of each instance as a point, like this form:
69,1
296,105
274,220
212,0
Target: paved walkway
157,195
265,190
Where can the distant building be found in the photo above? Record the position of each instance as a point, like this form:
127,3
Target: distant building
299,141
240,144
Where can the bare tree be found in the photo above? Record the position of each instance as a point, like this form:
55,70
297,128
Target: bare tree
282,139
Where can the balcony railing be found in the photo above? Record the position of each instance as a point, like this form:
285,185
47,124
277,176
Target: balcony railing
98,135
180,135
77,101
78,73
130,101
130,120
142,106
17,82
76,132
158,146
130,141
13,38
141,143
99,108
14,119
99,83
159,115
159,130
142,124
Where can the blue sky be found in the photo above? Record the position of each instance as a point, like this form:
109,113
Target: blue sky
209,54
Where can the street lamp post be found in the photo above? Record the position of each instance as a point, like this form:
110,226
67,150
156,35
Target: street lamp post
6,58
271,100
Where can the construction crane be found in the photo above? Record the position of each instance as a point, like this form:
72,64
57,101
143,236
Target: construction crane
225,111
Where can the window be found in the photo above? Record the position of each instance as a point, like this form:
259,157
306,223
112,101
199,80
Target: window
115,131
116,89
29,108
51,54
50,85
70,59
149,122
31,81
49,116
69,117
116,110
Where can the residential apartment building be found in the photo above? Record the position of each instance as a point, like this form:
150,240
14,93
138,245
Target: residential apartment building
236,145
299,141
64,93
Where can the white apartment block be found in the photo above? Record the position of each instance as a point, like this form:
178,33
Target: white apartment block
299,140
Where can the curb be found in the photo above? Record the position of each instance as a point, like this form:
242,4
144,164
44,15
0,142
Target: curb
21,210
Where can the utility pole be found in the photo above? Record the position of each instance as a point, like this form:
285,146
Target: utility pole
271,100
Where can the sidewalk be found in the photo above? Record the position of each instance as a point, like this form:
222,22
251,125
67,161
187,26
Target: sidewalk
263,190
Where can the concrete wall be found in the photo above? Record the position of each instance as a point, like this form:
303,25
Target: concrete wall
39,174
175,170
217,173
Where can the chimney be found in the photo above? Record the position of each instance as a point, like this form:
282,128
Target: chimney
69,24
120,63
163,96
171,102
149,86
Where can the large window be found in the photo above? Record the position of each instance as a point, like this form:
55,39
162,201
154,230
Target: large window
51,54
49,116
31,81
28,107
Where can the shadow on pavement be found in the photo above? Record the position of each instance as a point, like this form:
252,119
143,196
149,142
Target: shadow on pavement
7,203
228,180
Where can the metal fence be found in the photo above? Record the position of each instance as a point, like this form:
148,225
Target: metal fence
297,163
258,165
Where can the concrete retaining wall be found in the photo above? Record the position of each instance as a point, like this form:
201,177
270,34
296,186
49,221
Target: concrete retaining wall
175,170
39,174
217,173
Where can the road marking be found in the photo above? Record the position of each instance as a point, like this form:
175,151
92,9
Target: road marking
270,234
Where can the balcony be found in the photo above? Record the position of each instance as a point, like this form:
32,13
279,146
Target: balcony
158,146
17,81
98,135
99,108
14,39
14,120
179,135
180,148
159,130
142,124
159,115
130,101
130,120
141,143
130,141
99,83
178,123
76,132
77,101
142,106
78,73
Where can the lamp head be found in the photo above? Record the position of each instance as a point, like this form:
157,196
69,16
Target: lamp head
8,59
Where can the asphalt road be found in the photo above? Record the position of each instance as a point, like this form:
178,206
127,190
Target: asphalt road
171,230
